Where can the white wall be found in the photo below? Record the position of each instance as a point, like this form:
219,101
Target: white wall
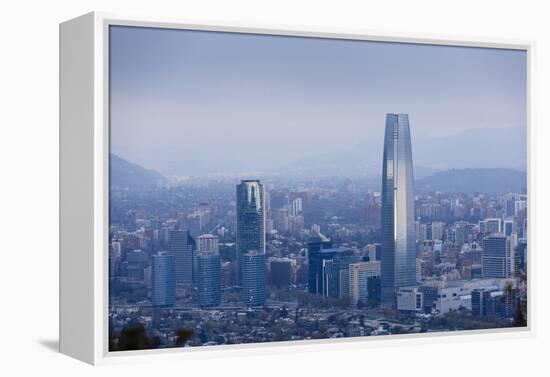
29,189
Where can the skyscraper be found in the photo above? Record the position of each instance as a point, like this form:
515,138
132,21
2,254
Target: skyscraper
207,242
181,248
136,263
509,227
163,280
250,220
253,278
491,226
209,266
359,274
280,272
398,227
335,271
497,257
315,262
374,252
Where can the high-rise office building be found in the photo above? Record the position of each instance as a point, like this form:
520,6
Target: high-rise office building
509,204
253,278
209,275
374,285
163,280
207,242
296,207
180,246
522,253
335,271
490,226
418,270
280,272
116,248
374,252
281,220
410,299
491,302
520,206
315,261
497,259
359,274
115,254
398,226
477,302
250,220
463,231
429,232
136,263
438,229
509,227
423,232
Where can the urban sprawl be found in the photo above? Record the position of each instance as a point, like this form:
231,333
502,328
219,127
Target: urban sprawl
212,261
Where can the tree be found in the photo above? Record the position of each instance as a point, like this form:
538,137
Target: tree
183,336
133,338
520,318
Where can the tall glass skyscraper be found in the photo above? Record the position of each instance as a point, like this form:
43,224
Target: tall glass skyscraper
181,248
254,278
497,257
250,220
398,228
163,279
315,262
136,261
209,278
207,242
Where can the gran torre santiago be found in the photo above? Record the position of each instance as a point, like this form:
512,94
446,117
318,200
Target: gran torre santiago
398,232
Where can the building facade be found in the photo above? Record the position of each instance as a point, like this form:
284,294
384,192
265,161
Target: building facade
315,262
251,218
209,279
253,278
280,272
136,262
180,246
409,299
163,280
207,242
497,257
398,225
359,274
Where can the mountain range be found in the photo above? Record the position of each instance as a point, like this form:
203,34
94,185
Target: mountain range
496,180
124,174
473,148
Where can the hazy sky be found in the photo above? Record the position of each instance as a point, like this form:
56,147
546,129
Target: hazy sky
209,98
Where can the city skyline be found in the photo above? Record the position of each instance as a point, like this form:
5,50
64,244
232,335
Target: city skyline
414,263
305,253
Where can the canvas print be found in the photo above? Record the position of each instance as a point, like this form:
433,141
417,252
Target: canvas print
267,188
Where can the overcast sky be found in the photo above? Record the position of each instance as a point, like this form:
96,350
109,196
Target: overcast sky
184,97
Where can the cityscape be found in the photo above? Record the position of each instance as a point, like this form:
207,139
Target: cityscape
224,230
210,262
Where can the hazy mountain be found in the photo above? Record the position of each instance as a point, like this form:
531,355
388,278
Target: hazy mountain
126,174
474,180
473,148
364,159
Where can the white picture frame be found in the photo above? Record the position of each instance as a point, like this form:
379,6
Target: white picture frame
84,148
